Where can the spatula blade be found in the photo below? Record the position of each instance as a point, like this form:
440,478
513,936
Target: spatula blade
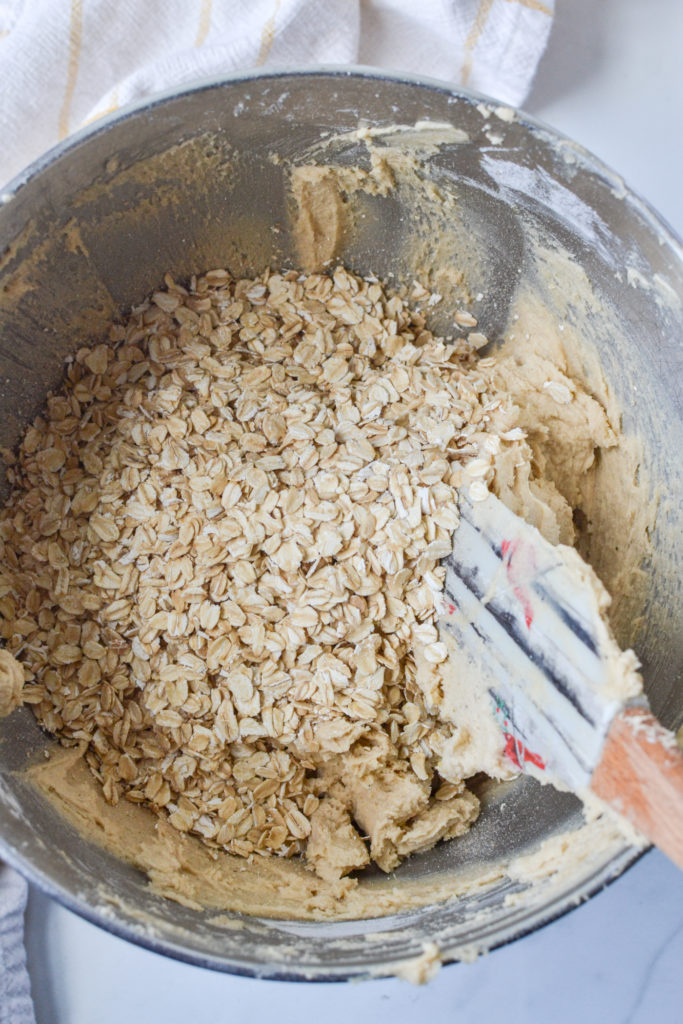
528,617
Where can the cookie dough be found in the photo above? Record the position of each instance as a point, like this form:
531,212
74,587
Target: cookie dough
550,471
355,744
351,824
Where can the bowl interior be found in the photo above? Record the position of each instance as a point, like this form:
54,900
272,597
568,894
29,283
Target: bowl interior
202,180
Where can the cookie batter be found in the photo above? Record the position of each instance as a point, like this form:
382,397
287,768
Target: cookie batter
535,481
260,665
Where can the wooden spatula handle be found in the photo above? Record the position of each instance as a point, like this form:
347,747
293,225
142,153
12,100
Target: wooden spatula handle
641,775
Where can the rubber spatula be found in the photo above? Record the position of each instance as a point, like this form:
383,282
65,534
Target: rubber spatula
528,617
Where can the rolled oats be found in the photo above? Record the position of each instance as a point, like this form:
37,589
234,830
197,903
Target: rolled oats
221,555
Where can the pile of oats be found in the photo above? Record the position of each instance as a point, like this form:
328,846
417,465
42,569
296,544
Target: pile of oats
221,557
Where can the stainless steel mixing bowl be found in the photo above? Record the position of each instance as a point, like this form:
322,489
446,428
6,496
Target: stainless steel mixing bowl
103,216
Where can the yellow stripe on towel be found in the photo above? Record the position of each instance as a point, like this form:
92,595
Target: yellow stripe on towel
75,40
475,32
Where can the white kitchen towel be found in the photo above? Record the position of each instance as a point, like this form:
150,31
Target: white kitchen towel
66,62
16,1006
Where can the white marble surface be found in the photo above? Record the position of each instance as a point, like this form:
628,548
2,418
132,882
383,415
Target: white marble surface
612,79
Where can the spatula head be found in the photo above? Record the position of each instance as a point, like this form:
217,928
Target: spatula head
529,617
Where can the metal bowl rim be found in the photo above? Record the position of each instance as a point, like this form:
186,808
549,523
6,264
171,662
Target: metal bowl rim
590,161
